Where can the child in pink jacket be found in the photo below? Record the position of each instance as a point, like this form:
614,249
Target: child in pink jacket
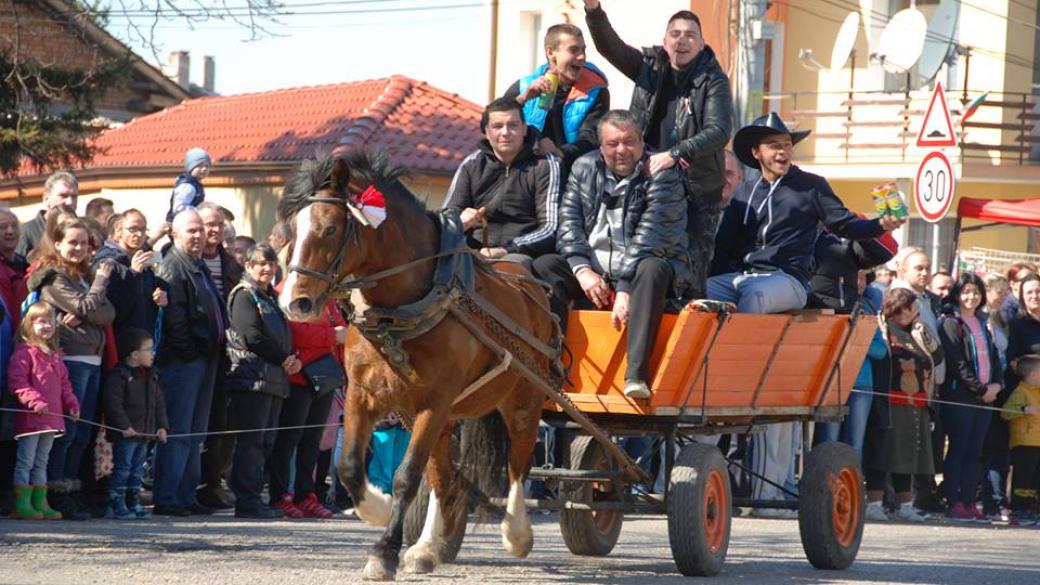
39,380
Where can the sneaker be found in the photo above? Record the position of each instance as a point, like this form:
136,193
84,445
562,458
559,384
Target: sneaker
261,513
958,512
1000,515
1022,518
875,512
980,516
908,513
287,507
637,389
216,498
310,507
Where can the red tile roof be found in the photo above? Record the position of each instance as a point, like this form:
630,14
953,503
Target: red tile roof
423,128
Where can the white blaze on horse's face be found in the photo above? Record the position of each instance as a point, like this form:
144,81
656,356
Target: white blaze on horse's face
303,228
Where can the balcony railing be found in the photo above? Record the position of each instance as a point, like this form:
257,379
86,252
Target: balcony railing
881,127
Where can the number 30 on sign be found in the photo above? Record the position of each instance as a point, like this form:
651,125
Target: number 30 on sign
934,187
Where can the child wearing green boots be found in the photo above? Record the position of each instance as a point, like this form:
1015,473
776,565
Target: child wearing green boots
134,405
39,380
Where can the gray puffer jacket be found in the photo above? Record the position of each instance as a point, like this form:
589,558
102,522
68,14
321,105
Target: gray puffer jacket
654,217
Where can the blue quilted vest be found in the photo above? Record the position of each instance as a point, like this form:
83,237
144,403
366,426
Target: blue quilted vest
580,100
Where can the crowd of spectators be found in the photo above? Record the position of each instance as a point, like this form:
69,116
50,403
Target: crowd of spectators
177,345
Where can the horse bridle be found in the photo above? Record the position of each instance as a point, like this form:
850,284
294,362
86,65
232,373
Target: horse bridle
331,274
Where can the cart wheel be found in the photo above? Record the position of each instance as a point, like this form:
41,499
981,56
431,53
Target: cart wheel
830,506
699,510
589,532
415,518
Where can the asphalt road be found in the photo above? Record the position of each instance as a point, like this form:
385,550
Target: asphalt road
223,550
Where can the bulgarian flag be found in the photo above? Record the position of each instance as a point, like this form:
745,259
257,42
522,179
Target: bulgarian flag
973,106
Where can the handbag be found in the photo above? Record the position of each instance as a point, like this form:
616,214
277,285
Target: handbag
325,374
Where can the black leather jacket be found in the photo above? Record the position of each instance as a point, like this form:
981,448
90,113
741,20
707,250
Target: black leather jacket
187,330
654,217
702,135
259,340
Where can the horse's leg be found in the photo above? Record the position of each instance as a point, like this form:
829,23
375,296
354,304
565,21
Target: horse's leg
424,555
370,503
522,423
383,558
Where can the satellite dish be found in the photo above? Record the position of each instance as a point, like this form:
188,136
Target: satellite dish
845,42
939,42
902,41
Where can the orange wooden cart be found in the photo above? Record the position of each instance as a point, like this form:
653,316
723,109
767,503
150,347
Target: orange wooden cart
711,373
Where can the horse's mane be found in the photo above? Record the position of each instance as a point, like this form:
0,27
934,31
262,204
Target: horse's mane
367,167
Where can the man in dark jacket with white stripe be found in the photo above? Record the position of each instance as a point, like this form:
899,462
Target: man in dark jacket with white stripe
622,241
504,183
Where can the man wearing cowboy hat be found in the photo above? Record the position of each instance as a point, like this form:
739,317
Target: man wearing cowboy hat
764,245
763,253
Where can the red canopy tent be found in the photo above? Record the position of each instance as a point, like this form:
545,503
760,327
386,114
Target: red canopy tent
1024,212
1012,211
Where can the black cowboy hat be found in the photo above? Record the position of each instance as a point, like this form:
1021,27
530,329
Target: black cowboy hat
749,136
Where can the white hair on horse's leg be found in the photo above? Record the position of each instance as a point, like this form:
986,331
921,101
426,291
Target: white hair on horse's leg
424,555
374,506
303,227
517,536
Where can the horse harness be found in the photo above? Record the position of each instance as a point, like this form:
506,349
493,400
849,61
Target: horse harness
453,291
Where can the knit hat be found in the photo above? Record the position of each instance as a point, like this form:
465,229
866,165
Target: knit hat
196,157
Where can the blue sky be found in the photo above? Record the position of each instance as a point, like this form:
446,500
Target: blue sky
443,42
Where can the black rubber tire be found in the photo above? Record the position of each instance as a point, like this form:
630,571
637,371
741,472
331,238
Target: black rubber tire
587,532
831,504
700,507
415,518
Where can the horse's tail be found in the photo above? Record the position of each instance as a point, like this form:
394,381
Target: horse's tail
484,446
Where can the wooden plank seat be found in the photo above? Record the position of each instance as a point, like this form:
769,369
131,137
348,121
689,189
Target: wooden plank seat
770,365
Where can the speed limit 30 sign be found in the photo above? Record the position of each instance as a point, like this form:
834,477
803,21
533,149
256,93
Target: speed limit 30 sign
934,187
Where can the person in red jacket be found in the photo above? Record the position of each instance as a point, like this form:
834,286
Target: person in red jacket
305,406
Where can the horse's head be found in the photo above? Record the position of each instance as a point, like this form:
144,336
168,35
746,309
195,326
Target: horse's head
327,241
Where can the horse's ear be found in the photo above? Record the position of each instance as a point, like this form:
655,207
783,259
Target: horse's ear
340,175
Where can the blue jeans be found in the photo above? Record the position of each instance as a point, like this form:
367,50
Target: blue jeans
771,292
67,455
853,429
128,457
30,467
966,428
187,389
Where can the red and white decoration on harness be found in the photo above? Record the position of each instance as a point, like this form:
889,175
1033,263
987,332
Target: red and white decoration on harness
369,207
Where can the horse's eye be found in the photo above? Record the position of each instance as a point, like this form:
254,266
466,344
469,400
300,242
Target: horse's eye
328,231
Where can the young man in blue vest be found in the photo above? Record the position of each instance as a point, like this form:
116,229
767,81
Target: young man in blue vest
568,128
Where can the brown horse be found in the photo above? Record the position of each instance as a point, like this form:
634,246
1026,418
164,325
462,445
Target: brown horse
422,378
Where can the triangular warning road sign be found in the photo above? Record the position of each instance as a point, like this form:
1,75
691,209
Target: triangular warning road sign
937,129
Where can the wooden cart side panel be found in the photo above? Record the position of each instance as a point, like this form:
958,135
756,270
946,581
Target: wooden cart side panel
837,392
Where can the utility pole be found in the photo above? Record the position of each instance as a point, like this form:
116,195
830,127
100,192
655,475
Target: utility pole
493,65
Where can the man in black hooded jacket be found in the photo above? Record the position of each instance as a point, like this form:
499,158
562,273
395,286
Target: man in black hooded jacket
505,184
684,107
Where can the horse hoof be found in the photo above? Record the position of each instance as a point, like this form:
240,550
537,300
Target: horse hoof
420,560
376,569
517,541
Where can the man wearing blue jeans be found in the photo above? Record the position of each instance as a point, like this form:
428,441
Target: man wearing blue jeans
194,323
763,252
